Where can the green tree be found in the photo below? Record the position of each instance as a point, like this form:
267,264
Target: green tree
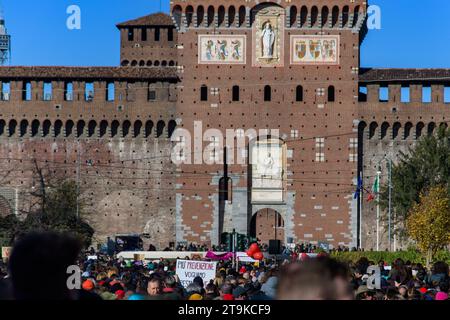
425,165
429,222
58,212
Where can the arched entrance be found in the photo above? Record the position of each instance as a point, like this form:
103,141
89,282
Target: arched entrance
267,224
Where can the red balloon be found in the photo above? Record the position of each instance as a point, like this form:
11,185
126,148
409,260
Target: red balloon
254,247
250,253
258,256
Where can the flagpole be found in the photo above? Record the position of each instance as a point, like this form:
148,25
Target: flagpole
361,194
378,211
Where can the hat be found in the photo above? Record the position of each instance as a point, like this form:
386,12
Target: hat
441,296
242,270
362,289
88,285
120,294
195,296
423,290
239,291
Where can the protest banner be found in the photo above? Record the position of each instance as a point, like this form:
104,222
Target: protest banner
187,270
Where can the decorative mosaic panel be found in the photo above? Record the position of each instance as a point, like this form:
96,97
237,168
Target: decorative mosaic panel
315,49
221,49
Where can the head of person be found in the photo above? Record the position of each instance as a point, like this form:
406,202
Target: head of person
194,288
170,282
154,287
314,279
50,255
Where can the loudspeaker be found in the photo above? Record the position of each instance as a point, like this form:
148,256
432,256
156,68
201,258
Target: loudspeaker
274,246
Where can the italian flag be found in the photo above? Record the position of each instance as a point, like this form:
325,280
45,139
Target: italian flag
375,190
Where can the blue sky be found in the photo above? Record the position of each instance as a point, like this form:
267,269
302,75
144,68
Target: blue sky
413,34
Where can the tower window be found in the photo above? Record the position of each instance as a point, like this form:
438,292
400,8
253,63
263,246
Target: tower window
68,91
6,91
204,93
89,91
426,94
157,34
362,95
446,94
170,34
267,93
236,93
26,94
384,94
130,34
110,92
144,34
299,93
331,94
405,95
47,91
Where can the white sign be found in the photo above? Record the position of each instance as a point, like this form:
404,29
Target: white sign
187,270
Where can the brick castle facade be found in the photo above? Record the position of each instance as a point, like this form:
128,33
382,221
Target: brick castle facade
284,68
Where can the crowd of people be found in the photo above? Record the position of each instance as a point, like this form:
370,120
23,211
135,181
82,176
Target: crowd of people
300,277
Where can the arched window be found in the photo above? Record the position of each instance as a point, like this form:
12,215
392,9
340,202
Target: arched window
204,93
114,128
2,127
303,16
396,130
189,15
314,15
58,128
431,128
149,63
23,127
156,63
231,16
373,130
172,127
242,15
293,16
92,126
125,63
134,63
160,128
331,94
299,94
335,16
325,13
46,128
137,128
356,15
236,93
35,127
176,14
171,63
384,130
69,128
142,63
200,15
221,16
267,93
419,129
12,127
211,13
345,16
126,128
103,128
164,63
407,132
80,128
148,128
